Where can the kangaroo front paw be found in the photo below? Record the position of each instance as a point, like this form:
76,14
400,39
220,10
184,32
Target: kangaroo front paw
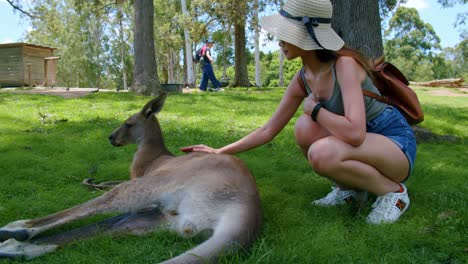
17,230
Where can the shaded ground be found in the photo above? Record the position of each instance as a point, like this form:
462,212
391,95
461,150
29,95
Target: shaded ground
70,92
77,92
59,91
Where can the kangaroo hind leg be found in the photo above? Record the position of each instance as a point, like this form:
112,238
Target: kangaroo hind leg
130,223
116,200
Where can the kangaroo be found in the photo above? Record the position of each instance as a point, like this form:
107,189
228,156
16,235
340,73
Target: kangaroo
196,193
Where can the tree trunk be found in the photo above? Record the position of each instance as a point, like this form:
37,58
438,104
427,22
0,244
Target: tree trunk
225,60
145,72
98,50
241,78
171,65
356,29
258,79
190,81
455,82
281,69
122,48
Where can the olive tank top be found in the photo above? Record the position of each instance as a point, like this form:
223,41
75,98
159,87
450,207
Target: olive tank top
335,103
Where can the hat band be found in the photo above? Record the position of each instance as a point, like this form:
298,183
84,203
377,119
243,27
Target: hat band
309,22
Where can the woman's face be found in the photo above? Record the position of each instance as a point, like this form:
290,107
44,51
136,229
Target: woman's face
289,50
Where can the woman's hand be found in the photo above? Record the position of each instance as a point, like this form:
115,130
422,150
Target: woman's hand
309,104
199,148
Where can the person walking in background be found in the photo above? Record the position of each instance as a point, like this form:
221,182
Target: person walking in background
207,69
358,143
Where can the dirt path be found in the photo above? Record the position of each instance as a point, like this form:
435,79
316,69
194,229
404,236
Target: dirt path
449,92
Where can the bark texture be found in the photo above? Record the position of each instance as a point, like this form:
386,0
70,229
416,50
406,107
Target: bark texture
145,73
358,23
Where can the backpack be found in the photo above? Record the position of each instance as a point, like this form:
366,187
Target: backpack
393,88
199,54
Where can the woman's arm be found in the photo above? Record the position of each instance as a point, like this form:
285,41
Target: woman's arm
351,128
286,109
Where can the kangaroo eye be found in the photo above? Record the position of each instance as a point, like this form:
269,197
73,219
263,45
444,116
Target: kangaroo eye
128,125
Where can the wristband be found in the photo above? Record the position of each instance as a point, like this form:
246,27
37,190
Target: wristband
315,112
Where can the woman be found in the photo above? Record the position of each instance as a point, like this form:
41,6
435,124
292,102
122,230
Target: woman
360,144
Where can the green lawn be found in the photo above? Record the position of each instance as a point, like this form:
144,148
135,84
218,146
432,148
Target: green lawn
49,144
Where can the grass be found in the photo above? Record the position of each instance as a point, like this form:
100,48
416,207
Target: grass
49,144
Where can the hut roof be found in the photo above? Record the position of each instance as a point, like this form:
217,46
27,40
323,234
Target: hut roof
21,44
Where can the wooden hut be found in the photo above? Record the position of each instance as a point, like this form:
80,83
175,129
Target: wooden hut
27,64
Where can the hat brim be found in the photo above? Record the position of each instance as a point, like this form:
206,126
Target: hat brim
295,32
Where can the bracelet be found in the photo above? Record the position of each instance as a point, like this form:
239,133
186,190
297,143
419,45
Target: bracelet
315,111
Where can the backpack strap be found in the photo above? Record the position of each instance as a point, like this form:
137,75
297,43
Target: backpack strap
305,87
203,51
378,97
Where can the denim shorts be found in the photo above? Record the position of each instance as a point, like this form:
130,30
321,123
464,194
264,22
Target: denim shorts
392,124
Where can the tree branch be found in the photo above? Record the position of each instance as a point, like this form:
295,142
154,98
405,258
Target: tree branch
21,10
107,5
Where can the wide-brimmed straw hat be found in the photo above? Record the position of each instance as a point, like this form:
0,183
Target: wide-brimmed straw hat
305,24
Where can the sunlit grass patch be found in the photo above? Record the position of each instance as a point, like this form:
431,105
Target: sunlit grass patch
48,145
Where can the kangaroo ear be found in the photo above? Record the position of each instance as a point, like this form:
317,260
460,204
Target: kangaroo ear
154,106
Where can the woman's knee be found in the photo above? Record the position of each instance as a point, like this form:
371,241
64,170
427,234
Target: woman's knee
307,132
324,155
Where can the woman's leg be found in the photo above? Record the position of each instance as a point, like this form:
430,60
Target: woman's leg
377,166
308,132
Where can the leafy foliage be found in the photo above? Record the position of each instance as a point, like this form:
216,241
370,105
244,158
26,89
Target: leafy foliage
86,35
411,43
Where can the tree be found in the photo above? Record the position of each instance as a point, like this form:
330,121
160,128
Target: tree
145,72
412,42
188,48
122,47
241,77
78,32
281,70
356,29
457,60
255,25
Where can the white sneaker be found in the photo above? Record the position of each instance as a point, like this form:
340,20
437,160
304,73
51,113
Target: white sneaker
219,89
389,207
338,196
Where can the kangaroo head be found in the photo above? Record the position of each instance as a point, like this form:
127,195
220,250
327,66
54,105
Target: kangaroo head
132,130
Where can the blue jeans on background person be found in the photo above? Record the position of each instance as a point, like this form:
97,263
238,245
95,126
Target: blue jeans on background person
208,73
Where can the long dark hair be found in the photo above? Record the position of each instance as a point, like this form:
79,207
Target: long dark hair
329,55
